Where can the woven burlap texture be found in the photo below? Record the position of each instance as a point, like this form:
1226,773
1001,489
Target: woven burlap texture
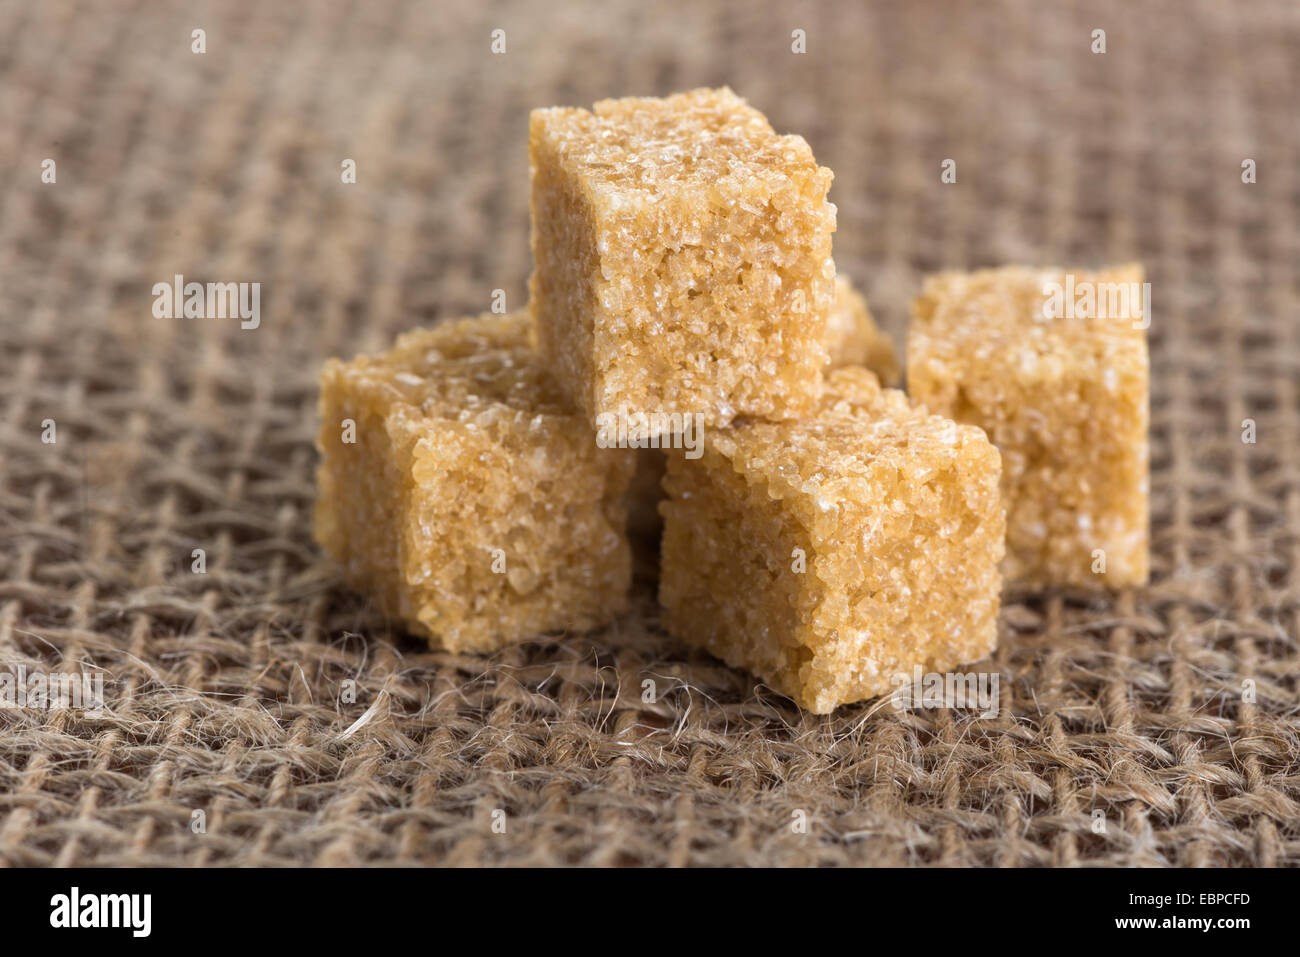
1151,726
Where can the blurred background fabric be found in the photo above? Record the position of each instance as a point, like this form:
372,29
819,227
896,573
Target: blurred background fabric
258,713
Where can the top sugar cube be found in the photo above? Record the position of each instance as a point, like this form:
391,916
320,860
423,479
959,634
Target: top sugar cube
682,258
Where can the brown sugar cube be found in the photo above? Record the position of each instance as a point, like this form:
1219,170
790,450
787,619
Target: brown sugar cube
682,257
1052,364
457,489
832,555
854,339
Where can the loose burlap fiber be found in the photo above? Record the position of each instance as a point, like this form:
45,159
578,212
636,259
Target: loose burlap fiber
261,714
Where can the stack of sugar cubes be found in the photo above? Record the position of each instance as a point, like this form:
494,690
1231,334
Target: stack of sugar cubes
819,529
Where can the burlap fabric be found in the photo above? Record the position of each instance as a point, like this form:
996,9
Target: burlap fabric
1154,726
